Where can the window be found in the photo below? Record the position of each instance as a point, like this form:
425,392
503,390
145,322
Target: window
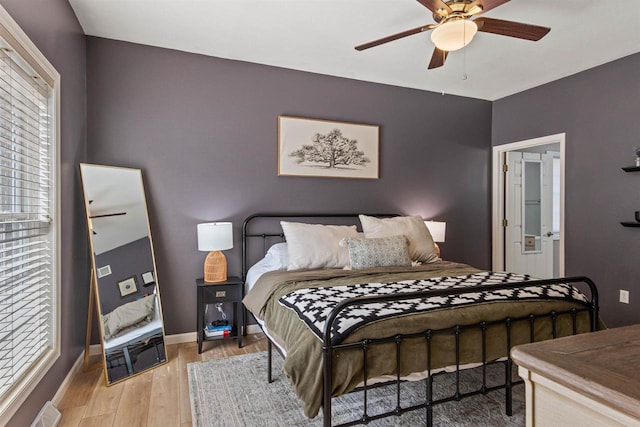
29,283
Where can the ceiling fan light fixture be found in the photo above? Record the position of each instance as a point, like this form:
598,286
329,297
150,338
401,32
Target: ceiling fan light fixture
454,35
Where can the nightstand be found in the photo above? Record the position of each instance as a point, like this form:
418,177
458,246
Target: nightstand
213,293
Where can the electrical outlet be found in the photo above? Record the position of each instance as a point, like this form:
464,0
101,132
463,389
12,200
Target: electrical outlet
624,296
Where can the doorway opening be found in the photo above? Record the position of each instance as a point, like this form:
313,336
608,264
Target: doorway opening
528,207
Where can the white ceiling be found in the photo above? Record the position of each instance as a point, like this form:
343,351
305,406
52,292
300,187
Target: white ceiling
319,36
115,190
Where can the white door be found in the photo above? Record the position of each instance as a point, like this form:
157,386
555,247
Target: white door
529,214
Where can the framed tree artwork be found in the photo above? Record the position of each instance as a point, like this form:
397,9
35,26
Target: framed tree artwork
323,148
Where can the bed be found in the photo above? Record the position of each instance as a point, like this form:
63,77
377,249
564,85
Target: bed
130,330
354,327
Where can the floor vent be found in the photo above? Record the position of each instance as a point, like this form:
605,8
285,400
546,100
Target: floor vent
48,416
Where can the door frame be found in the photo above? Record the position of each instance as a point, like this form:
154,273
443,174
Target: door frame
498,195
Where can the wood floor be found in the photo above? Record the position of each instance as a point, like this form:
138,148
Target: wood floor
159,397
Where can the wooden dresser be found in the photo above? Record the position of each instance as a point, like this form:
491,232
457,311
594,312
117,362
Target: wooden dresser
583,380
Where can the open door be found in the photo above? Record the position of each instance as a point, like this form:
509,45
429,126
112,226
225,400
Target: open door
529,214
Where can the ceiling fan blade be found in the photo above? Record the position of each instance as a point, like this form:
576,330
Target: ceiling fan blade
438,58
395,37
107,215
487,5
436,6
511,29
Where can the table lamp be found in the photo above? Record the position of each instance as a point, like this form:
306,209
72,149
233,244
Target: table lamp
215,237
437,230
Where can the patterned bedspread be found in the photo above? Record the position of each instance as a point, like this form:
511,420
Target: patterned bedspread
313,305
303,363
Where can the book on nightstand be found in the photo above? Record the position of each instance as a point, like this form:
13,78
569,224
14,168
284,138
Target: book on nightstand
217,331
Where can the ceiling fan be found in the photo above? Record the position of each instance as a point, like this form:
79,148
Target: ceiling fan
454,28
103,216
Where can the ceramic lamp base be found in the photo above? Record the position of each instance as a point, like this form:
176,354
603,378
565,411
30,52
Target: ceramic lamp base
215,267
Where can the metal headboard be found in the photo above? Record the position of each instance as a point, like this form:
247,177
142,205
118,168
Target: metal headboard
264,233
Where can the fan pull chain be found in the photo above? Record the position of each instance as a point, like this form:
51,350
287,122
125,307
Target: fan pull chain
464,56
464,65
440,75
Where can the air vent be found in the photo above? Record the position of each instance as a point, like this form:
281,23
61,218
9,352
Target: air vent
104,271
48,416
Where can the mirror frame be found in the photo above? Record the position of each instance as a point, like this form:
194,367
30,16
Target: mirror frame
538,239
94,275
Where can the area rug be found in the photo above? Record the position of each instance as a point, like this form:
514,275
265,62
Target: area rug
234,392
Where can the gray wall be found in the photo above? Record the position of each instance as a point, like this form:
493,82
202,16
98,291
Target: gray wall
130,260
598,110
54,29
204,132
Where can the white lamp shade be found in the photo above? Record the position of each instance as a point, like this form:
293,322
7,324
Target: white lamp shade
215,236
437,230
454,35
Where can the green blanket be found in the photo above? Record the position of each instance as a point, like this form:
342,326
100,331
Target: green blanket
303,364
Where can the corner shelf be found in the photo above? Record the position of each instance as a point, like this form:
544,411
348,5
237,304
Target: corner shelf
631,223
631,168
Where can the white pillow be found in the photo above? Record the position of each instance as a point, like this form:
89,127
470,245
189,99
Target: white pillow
128,315
313,246
276,258
421,246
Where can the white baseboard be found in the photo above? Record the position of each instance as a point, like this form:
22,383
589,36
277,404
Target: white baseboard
193,337
253,329
75,368
180,338
96,349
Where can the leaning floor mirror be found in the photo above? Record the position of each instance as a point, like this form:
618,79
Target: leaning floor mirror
123,271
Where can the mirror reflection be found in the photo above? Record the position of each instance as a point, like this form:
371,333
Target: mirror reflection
532,209
124,274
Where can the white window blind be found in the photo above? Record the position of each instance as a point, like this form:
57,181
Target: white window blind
26,250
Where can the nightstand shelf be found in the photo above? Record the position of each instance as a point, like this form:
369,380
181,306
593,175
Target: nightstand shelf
631,223
229,291
233,334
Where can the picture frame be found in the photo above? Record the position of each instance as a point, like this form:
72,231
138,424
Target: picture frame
148,279
128,286
327,149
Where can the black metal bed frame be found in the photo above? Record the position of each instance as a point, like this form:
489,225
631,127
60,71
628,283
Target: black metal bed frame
329,349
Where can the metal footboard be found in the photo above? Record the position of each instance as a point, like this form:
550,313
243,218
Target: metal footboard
265,229
329,349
